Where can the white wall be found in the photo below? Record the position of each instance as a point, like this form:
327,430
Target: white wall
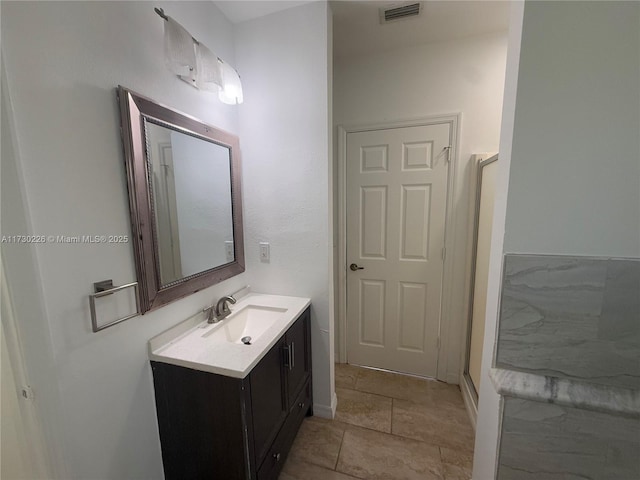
464,76
285,147
575,188
63,61
569,152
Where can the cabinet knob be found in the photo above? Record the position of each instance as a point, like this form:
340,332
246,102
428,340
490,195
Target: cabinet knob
301,405
276,456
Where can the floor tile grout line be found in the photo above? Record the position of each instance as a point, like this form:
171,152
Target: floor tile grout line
391,419
392,372
353,387
356,389
444,406
426,380
368,393
373,393
437,445
335,467
396,435
338,458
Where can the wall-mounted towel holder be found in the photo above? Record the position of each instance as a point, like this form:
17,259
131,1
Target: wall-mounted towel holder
104,288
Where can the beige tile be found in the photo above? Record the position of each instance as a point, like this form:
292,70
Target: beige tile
453,472
375,455
432,435
443,425
405,387
440,393
318,442
346,375
296,469
391,384
364,409
459,458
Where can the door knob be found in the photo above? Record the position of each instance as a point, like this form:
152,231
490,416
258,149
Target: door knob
355,267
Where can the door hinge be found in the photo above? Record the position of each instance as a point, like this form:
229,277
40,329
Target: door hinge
448,149
444,252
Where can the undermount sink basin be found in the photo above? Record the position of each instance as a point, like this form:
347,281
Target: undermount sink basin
250,321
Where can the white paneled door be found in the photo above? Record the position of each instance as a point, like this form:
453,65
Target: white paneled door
396,210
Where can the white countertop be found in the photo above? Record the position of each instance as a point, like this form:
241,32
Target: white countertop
185,344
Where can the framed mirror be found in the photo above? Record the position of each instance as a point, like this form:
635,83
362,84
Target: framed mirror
185,200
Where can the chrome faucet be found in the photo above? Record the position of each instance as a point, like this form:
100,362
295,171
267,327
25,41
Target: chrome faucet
220,310
222,307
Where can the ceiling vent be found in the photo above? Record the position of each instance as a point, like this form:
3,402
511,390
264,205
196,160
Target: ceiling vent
399,12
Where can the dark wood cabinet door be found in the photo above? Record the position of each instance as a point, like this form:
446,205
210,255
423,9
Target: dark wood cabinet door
217,427
268,403
297,356
200,419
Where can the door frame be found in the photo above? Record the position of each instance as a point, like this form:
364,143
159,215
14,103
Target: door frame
445,306
32,444
468,389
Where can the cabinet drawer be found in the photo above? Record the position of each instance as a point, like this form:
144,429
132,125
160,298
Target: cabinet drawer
298,410
277,455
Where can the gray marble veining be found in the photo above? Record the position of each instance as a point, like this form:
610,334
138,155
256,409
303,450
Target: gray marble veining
571,317
542,441
567,392
620,316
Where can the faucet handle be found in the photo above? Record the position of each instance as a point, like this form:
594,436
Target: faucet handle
210,311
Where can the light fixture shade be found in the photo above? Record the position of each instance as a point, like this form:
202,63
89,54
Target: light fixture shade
194,63
208,70
179,53
231,91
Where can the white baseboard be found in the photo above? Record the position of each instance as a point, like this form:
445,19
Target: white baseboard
326,411
469,400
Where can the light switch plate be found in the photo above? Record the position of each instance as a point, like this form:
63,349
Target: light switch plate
264,252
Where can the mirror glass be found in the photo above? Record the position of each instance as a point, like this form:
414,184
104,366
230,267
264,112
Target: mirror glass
191,194
185,199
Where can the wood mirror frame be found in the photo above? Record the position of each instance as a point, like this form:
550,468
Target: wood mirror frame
134,109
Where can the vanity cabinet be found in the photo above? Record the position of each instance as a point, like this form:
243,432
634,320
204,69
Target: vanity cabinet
218,427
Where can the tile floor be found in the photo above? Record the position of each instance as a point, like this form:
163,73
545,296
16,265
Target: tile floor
387,427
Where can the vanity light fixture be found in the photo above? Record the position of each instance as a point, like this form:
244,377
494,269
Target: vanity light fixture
194,63
231,90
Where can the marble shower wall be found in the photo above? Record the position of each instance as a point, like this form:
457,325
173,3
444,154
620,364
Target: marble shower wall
571,317
542,441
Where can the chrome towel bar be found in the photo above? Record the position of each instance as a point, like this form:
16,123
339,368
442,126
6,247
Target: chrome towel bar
101,291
